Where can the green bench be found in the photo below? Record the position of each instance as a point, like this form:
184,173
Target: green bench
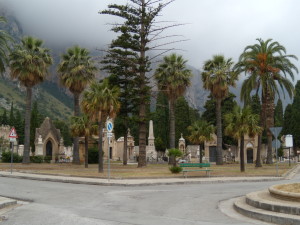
200,167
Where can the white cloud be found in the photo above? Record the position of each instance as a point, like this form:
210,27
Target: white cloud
213,26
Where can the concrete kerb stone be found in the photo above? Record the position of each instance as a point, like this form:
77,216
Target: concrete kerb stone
263,200
268,216
135,182
142,182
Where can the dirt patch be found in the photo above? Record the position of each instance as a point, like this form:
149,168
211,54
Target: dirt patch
294,188
119,171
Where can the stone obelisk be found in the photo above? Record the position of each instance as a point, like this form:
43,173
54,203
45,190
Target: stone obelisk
151,152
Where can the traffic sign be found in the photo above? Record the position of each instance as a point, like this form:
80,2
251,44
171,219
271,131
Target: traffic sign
12,139
13,133
109,135
275,131
289,140
276,143
109,126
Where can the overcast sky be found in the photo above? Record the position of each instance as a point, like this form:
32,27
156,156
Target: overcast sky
213,26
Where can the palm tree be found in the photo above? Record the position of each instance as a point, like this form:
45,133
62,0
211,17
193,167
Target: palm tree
5,38
239,123
267,66
29,63
76,71
83,126
173,78
100,101
200,131
217,78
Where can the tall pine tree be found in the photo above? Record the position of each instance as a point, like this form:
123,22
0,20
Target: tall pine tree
288,122
4,119
20,126
120,64
141,28
11,120
209,114
182,118
35,122
278,114
161,122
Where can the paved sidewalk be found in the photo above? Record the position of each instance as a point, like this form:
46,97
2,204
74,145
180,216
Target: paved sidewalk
134,182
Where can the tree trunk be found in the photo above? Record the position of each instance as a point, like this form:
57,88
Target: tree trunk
219,160
142,111
172,123
76,159
242,156
172,159
26,154
259,141
269,123
142,137
200,153
263,125
125,149
86,157
100,147
258,153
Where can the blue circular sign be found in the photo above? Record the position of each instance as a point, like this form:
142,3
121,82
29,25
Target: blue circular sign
109,126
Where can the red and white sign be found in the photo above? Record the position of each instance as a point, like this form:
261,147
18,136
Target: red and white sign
13,133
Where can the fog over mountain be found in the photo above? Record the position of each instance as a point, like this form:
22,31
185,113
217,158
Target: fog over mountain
212,26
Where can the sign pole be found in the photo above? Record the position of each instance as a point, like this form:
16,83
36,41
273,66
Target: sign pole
12,136
277,174
109,128
108,160
289,156
11,156
289,144
276,131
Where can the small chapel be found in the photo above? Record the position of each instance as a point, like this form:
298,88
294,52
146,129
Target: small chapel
48,141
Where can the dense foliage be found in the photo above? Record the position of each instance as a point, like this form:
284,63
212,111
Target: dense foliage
6,157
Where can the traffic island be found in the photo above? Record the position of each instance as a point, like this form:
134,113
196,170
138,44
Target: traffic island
282,207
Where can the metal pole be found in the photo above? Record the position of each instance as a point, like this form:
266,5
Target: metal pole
199,154
289,156
276,158
108,161
11,157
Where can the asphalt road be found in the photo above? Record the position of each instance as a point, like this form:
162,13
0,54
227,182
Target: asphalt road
63,203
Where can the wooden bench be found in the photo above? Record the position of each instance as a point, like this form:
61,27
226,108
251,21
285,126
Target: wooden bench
199,166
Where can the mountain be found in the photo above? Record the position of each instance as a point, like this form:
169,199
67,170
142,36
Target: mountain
51,99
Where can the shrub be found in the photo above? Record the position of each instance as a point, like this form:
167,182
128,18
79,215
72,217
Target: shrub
93,155
6,157
175,169
173,154
36,159
47,159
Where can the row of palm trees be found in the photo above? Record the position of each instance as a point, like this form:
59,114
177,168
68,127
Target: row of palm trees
29,62
268,71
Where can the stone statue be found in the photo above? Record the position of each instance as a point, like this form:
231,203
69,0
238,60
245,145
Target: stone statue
40,139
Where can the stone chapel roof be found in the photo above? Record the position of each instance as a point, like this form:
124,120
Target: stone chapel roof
47,127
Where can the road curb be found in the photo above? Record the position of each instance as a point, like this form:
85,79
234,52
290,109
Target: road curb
140,182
